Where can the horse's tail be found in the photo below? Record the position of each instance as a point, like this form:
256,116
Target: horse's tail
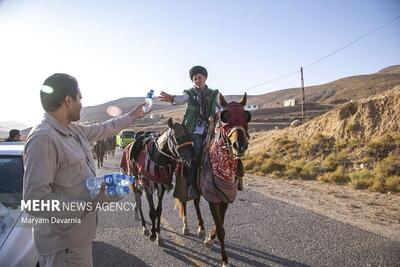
178,204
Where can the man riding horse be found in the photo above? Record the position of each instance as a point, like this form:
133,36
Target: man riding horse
202,102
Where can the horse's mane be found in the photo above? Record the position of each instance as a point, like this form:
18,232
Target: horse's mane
162,140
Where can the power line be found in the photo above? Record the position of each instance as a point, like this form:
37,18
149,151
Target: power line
353,42
273,80
325,57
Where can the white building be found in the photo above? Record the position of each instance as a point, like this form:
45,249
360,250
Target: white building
290,102
252,107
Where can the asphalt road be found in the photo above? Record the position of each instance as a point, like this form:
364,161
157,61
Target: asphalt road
260,231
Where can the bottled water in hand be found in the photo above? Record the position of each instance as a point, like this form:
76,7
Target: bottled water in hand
117,184
149,101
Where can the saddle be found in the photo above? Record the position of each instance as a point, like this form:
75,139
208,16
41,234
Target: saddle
141,139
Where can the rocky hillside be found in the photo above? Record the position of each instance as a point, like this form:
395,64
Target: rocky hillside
339,91
356,144
320,99
364,119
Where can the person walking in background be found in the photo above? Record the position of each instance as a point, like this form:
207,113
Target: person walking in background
14,135
100,151
202,102
58,160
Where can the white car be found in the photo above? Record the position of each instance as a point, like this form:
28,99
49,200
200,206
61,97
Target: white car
16,240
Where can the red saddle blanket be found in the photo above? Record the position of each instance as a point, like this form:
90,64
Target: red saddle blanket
149,170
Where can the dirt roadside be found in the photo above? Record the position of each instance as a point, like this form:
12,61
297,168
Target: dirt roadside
374,212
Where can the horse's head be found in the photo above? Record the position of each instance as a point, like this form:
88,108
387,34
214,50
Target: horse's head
234,125
180,142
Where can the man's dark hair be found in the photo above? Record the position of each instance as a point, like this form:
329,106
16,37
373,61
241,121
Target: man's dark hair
55,89
13,133
196,70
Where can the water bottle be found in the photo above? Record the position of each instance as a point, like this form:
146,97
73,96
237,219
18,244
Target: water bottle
117,184
119,190
149,101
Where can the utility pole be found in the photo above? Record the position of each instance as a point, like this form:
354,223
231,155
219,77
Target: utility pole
303,111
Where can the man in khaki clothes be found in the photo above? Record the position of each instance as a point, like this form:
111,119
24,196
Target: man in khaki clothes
58,159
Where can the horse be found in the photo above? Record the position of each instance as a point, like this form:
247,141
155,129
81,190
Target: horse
222,171
181,198
153,160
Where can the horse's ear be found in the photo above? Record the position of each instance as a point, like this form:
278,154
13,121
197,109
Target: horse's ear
170,123
243,100
222,100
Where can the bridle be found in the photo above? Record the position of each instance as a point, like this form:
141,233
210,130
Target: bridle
173,146
222,133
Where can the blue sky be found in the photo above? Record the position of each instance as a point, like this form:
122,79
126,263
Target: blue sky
123,48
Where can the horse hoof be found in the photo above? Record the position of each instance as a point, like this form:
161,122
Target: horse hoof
201,232
146,232
225,264
153,237
185,231
160,242
208,242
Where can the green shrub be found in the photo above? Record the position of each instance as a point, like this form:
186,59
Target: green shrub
334,160
393,183
361,179
378,185
318,146
249,164
354,143
379,148
253,162
388,167
352,127
302,170
271,165
281,141
337,177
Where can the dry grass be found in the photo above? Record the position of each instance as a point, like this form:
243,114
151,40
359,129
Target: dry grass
341,162
302,170
318,146
272,165
380,147
361,179
339,176
389,166
334,160
393,183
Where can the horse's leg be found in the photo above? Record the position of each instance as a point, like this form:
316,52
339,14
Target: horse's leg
224,207
138,206
201,230
185,228
209,241
160,196
152,214
218,221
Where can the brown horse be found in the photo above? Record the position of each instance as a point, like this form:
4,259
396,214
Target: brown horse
153,160
181,196
222,171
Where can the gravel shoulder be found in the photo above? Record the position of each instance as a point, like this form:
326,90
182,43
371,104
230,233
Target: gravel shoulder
374,212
